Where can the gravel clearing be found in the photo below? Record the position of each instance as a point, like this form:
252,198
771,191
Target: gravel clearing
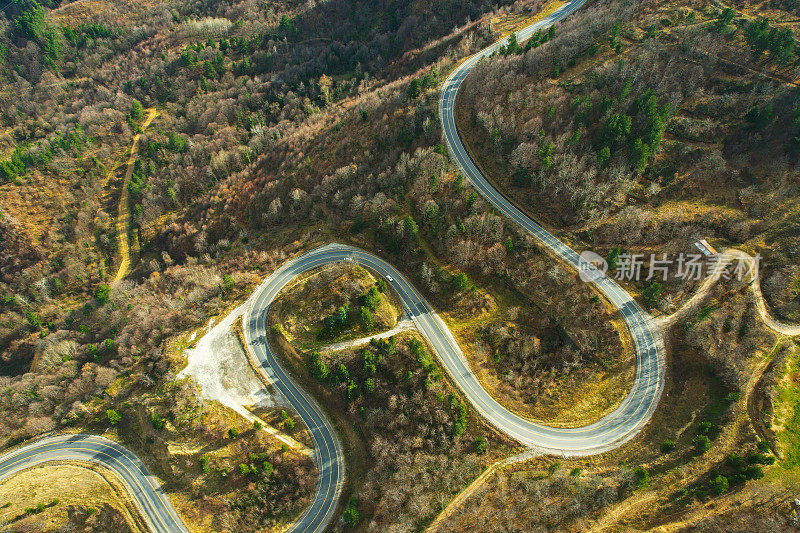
219,366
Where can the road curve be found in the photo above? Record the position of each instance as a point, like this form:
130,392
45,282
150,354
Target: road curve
327,448
609,432
638,406
154,506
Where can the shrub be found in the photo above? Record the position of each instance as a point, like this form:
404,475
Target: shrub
480,445
460,282
735,461
732,397
753,472
33,320
336,322
366,318
760,458
204,464
157,421
642,477
738,477
31,22
351,516
342,373
652,293
233,433
718,485
102,293
176,143
370,361
351,391
414,89
317,367
701,444
461,419
613,258
137,113
113,417
667,446
372,298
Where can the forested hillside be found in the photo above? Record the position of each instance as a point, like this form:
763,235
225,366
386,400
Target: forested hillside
650,125
642,127
219,139
228,96
233,90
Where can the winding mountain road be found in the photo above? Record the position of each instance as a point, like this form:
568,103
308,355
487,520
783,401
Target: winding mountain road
610,432
327,448
638,406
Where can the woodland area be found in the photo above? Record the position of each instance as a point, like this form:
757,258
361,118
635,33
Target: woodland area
650,135
216,171
198,171
633,126
421,442
210,213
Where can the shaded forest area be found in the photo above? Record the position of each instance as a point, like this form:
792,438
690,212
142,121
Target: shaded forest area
649,125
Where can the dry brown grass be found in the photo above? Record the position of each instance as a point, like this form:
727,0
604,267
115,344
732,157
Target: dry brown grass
72,484
511,22
83,11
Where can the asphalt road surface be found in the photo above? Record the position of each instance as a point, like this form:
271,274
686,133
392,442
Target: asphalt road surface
143,488
610,432
327,448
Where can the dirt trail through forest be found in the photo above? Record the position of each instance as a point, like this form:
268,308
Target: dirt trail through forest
123,211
